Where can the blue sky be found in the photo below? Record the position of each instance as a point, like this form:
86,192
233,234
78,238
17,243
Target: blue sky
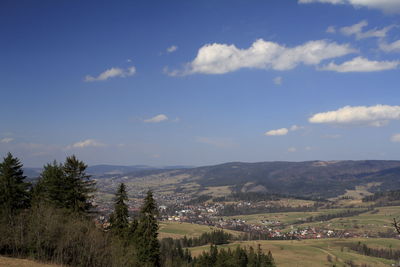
199,82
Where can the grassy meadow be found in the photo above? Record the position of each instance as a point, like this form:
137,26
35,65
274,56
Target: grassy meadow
314,253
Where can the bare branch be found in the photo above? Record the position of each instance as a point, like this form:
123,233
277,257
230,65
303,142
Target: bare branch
396,225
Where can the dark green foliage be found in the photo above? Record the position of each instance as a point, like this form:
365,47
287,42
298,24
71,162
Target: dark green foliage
14,191
241,257
65,185
78,185
146,233
363,249
216,237
119,219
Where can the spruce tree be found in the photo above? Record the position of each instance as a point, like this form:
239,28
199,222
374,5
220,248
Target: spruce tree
119,218
78,185
14,191
51,185
148,247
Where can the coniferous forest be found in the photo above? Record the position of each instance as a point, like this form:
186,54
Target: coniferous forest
52,220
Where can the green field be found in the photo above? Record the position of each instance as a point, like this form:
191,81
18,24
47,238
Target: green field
314,253
284,217
367,223
179,230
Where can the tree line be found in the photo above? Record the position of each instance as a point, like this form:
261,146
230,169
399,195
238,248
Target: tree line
53,221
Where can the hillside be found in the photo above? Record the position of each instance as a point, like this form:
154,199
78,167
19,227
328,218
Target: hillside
308,179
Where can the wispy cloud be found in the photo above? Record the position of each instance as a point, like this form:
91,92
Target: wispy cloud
292,149
278,80
391,47
395,138
360,64
376,116
223,58
111,73
156,119
172,48
277,132
387,6
86,143
357,31
6,140
283,131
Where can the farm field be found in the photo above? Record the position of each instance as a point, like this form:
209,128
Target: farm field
367,223
284,217
13,262
179,230
314,253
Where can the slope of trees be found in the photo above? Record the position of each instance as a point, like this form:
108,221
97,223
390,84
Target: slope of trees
52,221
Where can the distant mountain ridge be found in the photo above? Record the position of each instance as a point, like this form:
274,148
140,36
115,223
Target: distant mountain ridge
309,178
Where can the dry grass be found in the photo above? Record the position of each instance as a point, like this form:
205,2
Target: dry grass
13,262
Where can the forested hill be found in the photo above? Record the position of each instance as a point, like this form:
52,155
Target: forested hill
301,178
310,178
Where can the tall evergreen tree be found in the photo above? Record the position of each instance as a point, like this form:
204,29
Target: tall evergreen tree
78,185
51,185
119,218
14,191
146,233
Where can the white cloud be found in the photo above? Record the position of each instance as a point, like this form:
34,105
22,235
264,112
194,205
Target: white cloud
392,47
357,31
6,140
292,149
360,64
395,138
172,48
282,131
331,29
376,116
388,6
157,118
112,73
222,58
217,142
278,80
86,143
296,127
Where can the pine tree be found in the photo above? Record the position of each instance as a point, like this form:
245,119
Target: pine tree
14,191
50,186
78,185
119,218
146,233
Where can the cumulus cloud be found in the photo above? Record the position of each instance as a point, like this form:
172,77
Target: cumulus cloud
388,6
172,48
360,64
86,143
6,140
376,116
357,31
223,58
392,47
395,138
112,73
282,131
278,80
157,118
